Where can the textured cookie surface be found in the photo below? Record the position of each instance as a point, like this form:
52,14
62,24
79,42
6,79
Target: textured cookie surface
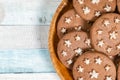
70,21
94,66
71,46
91,9
118,5
105,34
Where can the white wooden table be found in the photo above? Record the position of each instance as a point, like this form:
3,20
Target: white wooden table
24,26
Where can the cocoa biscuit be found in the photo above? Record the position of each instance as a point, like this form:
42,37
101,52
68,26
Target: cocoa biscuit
71,46
94,66
92,9
118,5
105,34
70,21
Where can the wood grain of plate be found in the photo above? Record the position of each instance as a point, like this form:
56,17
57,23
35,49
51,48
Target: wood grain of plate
62,71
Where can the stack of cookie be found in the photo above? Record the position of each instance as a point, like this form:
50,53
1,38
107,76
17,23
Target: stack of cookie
89,42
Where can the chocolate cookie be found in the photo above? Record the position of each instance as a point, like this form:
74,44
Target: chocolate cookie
118,5
70,21
91,9
94,66
105,34
71,46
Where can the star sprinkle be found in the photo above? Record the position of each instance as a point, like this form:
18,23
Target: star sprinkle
95,1
80,78
97,13
81,1
80,69
68,43
69,62
109,49
117,20
64,53
107,68
88,41
87,61
113,35
86,10
77,16
100,43
78,28
107,8
118,47
111,57
94,74
99,32
68,20
108,78
63,30
78,51
77,38
106,22
98,61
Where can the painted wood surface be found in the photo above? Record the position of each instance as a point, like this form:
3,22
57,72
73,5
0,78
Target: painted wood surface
25,61
27,12
24,26
24,37
40,76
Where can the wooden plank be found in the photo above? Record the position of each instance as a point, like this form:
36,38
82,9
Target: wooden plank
23,49
25,61
39,76
23,37
27,12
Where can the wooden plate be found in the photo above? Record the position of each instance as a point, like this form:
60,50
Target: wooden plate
62,71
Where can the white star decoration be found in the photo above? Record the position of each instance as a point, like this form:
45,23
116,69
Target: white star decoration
63,30
118,47
68,43
113,35
107,68
78,51
67,20
64,53
109,49
77,38
98,61
87,61
97,13
80,78
94,74
88,41
95,1
78,28
69,62
111,57
86,10
99,32
117,20
108,78
81,1
106,22
80,69
100,43
107,8
77,16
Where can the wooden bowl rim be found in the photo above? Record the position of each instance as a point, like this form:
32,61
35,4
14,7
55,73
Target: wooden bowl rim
62,71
